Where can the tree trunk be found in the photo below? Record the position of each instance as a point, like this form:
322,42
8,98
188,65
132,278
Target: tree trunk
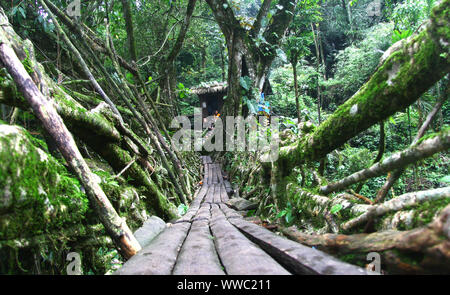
126,8
297,103
407,70
319,94
242,47
398,203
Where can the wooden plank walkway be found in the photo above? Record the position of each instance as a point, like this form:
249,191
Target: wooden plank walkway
213,239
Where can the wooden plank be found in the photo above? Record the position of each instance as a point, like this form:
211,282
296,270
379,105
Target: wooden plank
217,194
238,254
210,170
210,195
203,213
214,179
198,255
206,174
159,257
195,205
213,173
297,258
223,193
207,160
229,213
219,173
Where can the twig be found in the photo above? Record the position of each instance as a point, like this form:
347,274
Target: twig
126,167
361,197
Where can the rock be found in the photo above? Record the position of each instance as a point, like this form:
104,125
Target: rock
149,230
241,204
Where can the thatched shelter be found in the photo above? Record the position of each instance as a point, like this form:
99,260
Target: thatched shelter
211,97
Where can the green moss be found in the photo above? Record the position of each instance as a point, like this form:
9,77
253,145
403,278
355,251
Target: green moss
354,258
408,258
424,213
305,208
445,131
27,62
43,195
427,211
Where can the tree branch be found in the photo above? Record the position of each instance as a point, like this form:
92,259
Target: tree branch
397,204
262,13
427,148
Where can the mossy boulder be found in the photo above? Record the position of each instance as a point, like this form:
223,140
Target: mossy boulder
37,194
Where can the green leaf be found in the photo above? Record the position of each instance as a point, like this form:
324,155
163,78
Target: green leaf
445,179
245,82
182,209
252,106
22,11
289,217
336,208
392,120
281,214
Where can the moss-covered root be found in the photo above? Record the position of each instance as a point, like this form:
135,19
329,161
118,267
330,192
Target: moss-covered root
44,212
419,251
37,195
118,158
36,191
399,203
311,208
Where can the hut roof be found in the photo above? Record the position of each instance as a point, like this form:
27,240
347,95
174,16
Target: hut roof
209,88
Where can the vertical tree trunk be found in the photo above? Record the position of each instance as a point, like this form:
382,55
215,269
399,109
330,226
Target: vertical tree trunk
297,102
319,94
126,8
222,62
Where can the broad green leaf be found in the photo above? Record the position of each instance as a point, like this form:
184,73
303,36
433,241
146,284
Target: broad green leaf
336,208
281,214
288,217
245,82
182,209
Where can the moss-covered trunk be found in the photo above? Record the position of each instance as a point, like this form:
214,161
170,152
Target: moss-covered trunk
407,70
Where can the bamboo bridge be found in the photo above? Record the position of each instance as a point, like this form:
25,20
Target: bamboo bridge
213,239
